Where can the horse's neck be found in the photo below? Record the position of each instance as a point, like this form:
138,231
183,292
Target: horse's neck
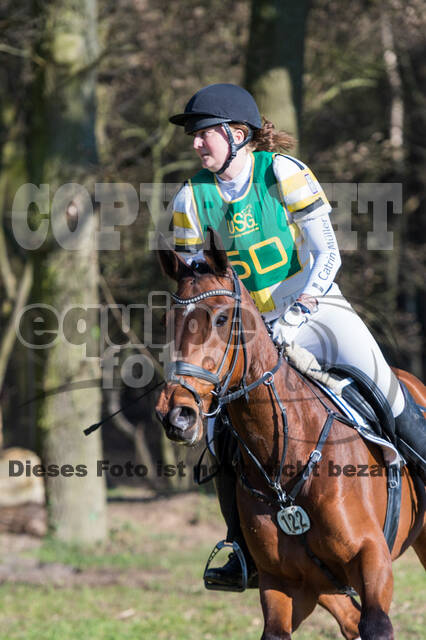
262,354
288,384
260,421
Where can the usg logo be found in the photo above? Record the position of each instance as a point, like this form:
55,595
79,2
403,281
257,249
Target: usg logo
242,222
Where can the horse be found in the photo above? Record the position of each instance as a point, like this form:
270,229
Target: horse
229,357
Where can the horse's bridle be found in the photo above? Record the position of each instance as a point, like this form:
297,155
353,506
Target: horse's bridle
179,368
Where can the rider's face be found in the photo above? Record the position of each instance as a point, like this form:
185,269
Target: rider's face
212,147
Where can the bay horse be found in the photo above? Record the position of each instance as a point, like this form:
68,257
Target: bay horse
226,349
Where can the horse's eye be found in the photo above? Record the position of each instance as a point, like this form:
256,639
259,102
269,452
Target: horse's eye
221,320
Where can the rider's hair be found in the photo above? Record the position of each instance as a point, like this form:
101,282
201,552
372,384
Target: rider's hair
268,138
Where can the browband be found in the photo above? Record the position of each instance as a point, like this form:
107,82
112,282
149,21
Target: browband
206,294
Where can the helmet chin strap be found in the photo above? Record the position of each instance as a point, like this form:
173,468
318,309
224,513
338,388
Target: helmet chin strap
234,148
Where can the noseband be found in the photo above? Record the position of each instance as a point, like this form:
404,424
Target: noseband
181,368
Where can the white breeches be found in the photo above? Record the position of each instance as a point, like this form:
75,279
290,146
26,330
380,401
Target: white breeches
337,335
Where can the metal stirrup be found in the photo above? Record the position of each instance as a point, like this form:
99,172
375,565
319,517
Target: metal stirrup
240,555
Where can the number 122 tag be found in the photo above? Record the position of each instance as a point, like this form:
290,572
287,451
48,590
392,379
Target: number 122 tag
293,520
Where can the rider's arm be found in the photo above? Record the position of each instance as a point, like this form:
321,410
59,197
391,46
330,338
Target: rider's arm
309,209
325,254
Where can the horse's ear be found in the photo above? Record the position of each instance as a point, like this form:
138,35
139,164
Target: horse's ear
214,252
171,263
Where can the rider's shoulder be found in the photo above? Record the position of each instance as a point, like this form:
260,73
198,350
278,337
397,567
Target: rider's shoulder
183,198
285,165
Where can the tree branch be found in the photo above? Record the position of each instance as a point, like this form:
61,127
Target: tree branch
10,333
129,332
21,53
336,90
6,272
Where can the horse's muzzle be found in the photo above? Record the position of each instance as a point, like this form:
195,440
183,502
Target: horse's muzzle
178,424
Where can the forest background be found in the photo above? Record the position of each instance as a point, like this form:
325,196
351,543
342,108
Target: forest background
87,89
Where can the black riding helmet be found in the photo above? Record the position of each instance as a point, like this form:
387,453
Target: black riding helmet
221,104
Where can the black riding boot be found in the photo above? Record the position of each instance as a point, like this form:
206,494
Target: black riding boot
230,575
410,427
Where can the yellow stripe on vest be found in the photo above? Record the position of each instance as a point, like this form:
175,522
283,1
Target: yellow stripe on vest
263,300
302,203
182,220
297,181
183,242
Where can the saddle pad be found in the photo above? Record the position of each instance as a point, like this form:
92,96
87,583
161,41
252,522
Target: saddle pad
390,454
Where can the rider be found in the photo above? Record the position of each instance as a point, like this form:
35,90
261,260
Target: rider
273,218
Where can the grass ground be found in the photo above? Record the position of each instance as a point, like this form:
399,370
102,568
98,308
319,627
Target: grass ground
144,583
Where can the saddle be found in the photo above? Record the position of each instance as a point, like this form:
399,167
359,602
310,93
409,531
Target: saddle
351,390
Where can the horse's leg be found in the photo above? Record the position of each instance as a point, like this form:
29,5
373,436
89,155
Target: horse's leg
371,575
346,611
419,546
283,613
277,609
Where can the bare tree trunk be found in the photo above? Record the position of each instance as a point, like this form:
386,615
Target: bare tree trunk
16,282
62,150
396,139
395,259
274,70
396,125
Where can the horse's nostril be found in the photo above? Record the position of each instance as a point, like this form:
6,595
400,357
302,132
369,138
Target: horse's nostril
182,417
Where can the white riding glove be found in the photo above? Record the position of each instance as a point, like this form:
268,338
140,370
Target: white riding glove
286,327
